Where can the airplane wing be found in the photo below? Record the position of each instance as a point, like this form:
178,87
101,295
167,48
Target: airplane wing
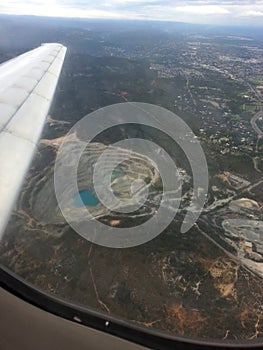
27,87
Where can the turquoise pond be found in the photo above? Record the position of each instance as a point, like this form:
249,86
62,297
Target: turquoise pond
85,197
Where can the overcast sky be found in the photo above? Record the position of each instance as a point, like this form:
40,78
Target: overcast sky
194,11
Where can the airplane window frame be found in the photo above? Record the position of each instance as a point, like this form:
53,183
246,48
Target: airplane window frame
121,328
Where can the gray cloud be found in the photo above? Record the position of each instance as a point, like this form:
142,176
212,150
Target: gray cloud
201,11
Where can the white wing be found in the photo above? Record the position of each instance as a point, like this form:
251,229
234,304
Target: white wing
27,86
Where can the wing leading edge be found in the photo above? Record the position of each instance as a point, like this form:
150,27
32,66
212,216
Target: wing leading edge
28,83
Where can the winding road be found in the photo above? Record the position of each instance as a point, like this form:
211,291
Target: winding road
254,125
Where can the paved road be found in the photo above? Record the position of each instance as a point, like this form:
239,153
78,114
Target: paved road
254,125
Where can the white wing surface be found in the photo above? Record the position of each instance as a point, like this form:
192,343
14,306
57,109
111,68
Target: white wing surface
27,87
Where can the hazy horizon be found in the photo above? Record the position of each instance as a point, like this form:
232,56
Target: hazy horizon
227,12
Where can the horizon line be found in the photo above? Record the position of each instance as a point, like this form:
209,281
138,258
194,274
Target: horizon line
131,19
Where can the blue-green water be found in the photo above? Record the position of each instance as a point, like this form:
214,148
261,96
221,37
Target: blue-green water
85,197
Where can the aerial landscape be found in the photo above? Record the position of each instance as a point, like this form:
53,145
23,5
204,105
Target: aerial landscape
206,283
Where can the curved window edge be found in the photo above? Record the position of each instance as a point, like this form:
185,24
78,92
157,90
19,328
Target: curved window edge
109,324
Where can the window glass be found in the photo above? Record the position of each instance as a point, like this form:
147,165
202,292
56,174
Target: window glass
203,281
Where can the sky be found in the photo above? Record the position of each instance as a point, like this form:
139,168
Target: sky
230,12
